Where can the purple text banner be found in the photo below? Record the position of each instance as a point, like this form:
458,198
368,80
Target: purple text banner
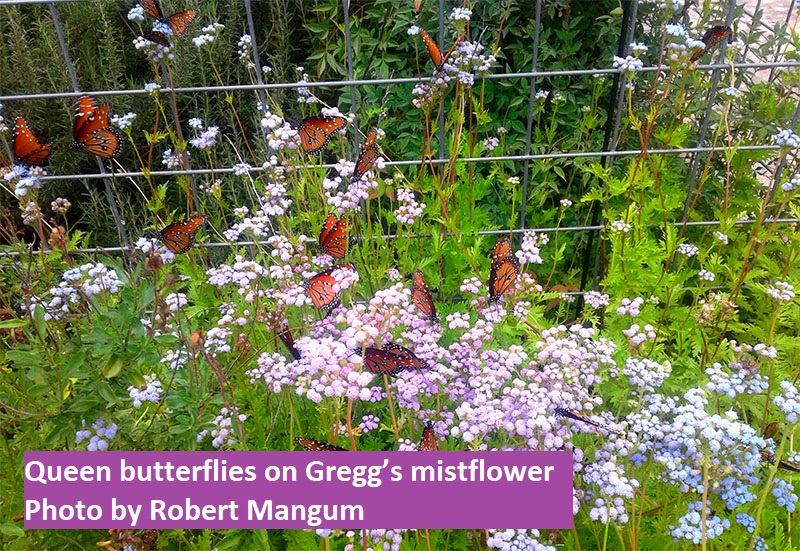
509,490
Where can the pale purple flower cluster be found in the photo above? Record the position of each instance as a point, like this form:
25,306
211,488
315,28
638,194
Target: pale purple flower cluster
690,525
176,359
596,299
170,159
60,205
646,374
76,285
210,33
706,275
788,401
345,193
206,139
222,433
27,178
242,169
787,138
245,48
742,377
688,249
368,423
123,121
150,393
630,307
530,248
516,540
627,64
782,291
99,435
637,336
491,143
784,495
155,52
409,209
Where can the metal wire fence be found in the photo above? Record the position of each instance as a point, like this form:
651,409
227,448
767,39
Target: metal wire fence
752,18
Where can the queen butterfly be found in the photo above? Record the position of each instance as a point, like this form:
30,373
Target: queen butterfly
288,340
333,236
323,288
782,464
504,269
421,297
711,38
368,157
427,443
92,130
434,51
178,22
390,360
316,446
563,412
157,38
27,149
315,132
179,237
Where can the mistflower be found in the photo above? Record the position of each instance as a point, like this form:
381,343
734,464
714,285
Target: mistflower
677,30
637,337
222,432
196,123
170,159
241,169
98,435
730,92
123,121
566,203
690,525
516,540
788,401
368,423
541,94
175,301
60,205
136,13
150,393
409,210
706,275
413,30
460,14
619,226
245,45
787,138
596,299
782,291
630,307
530,248
205,139
513,180
688,249
209,35
175,359
152,87
747,521
491,143
627,64
638,48
784,494
154,51
721,237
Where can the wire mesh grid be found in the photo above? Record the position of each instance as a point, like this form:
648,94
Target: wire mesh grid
751,22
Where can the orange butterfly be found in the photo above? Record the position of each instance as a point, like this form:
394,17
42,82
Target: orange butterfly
92,130
180,236
333,236
428,441
711,38
504,269
316,446
27,149
368,157
315,132
434,51
390,360
178,22
321,289
422,298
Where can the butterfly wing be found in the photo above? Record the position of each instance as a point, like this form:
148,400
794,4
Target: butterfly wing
105,143
315,132
433,49
157,38
405,357
715,35
366,160
421,297
288,340
333,236
179,22
180,236
382,362
502,277
502,251
321,289
27,149
84,112
153,9
316,446
428,441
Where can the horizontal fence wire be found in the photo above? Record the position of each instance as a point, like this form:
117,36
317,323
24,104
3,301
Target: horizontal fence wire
384,81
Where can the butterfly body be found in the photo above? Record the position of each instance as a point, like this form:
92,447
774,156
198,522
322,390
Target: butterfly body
504,269
179,237
333,236
421,297
178,22
390,360
28,149
315,132
92,130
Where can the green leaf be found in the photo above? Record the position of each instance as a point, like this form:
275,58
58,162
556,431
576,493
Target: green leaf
113,367
11,324
11,530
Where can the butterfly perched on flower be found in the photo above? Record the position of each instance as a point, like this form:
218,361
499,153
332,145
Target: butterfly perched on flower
178,22
333,238
368,157
323,288
157,37
433,50
421,297
390,360
179,237
92,130
563,412
27,149
504,269
427,443
316,446
711,38
315,132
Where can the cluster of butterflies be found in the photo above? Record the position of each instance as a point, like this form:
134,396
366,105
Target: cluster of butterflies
91,130
427,443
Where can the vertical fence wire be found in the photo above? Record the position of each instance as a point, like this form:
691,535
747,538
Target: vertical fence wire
251,29
348,44
110,197
529,129
440,118
712,94
781,43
